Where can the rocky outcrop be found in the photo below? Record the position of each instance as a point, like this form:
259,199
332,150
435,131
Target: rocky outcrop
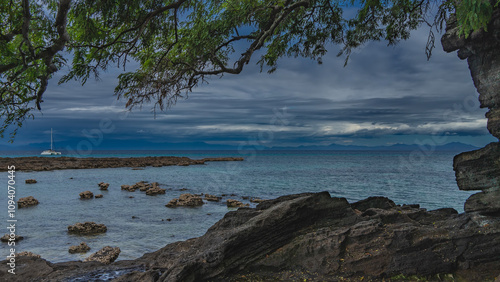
98,196
82,248
212,198
480,169
86,195
87,228
30,181
186,200
42,164
129,188
28,254
103,186
27,202
235,204
313,237
11,237
105,255
151,189
155,191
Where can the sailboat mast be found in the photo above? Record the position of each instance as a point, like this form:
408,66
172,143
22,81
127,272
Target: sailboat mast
51,139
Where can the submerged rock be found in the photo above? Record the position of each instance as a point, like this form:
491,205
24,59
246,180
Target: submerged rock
155,191
98,196
103,186
235,204
212,198
186,200
82,248
87,228
86,195
28,254
256,200
105,255
27,202
14,238
30,181
130,188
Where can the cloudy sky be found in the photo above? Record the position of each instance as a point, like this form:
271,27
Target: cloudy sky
385,95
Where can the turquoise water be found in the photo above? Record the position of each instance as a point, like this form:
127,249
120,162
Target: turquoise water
405,177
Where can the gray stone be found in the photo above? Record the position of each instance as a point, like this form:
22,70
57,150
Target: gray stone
484,202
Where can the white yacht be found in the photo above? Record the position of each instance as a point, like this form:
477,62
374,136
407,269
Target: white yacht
51,151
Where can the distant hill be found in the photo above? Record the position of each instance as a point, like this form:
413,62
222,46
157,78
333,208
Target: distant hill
139,145
454,146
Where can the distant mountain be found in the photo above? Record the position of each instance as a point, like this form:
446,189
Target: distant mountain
140,145
454,146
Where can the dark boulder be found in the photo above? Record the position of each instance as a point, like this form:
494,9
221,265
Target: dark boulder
103,186
82,248
86,195
27,202
374,202
87,228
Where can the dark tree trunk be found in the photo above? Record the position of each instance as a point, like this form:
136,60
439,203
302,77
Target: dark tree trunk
480,169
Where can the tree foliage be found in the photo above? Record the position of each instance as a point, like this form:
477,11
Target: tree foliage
178,44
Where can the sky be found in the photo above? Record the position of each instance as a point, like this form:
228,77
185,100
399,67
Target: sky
384,96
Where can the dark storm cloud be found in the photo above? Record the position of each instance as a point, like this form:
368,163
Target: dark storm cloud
385,94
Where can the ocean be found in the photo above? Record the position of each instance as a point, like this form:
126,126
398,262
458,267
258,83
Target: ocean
138,223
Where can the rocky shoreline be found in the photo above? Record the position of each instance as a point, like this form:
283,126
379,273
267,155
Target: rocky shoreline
56,163
309,236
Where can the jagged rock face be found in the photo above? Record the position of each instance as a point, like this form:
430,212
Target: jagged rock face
313,237
480,169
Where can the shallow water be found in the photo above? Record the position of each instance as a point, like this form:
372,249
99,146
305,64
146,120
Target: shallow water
405,177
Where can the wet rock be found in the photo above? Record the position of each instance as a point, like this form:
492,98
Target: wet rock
212,198
103,186
484,202
155,191
374,202
30,181
105,255
27,202
187,200
82,248
130,188
98,196
87,228
256,200
317,236
183,189
235,204
28,254
7,237
86,195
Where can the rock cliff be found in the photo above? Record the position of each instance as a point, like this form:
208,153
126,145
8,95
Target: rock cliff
480,169
311,236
